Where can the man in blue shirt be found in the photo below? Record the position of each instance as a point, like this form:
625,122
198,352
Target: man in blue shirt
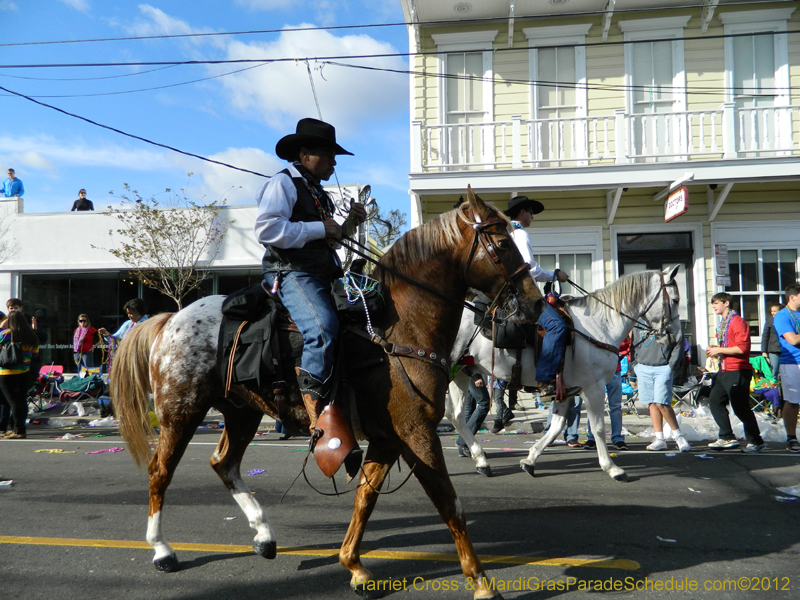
12,187
787,324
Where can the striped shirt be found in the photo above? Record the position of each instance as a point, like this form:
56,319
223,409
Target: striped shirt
28,353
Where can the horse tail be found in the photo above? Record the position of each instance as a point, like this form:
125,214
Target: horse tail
130,387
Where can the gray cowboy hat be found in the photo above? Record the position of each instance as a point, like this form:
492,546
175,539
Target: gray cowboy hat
520,202
310,133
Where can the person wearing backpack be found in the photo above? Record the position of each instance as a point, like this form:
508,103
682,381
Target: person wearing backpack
14,376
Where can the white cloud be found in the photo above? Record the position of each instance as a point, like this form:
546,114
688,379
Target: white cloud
156,22
280,93
44,153
81,5
223,182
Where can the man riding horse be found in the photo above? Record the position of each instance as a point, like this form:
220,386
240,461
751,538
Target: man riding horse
521,210
295,224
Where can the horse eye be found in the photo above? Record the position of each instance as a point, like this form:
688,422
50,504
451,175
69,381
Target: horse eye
504,244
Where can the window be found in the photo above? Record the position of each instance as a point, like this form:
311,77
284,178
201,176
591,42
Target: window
758,278
465,94
579,267
757,78
655,81
558,97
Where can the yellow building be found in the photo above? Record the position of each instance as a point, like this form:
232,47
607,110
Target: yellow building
600,109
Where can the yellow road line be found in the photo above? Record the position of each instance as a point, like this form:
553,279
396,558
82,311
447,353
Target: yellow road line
618,563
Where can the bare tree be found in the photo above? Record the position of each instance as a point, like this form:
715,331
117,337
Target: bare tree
164,245
8,245
385,228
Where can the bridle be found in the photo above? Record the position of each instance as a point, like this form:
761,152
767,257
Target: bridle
666,309
484,237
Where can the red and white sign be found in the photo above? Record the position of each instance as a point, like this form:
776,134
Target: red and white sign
677,203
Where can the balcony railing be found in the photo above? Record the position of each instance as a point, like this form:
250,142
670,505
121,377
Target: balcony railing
620,138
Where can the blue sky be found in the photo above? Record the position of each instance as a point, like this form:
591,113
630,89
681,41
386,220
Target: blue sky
236,118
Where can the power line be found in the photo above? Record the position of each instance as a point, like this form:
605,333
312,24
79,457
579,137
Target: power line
441,22
87,78
130,135
563,84
386,55
150,89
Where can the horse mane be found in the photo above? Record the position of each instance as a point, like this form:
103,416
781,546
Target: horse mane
627,294
422,243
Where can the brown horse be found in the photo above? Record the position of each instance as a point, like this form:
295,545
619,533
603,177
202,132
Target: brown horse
399,401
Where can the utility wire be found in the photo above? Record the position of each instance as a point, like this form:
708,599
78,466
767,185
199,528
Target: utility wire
87,78
130,135
388,54
150,89
441,22
610,87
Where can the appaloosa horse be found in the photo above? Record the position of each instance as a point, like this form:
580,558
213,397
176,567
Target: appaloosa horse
649,299
400,401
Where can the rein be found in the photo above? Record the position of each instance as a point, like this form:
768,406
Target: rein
637,322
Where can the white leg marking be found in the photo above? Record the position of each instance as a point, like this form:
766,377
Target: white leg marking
255,513
155,537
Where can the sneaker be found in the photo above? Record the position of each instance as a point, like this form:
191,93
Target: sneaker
657,445
621,446
590,445
754,448
724,444
793,445
8,433
683,444
16,436
497,427
509,416
574,444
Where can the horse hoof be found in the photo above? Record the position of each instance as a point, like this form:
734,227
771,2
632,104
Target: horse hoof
485,471
621,477
268,550
528,468
363,591
168,564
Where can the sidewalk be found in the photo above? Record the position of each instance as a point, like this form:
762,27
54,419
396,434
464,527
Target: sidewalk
696,425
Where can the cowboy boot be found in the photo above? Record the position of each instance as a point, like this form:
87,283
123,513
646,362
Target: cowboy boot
314,394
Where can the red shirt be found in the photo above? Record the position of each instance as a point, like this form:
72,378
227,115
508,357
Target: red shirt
624,352
738,335
88,340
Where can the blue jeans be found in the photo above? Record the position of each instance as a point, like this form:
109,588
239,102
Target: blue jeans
480,396
552,345
85,359
614,393
501,411
573,419
310,304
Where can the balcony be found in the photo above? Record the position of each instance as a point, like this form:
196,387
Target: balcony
617,139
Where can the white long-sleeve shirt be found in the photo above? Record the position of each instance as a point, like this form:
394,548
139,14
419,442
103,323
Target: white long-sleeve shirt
523,242
276,200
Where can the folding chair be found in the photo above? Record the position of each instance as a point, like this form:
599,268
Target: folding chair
630,395
49,377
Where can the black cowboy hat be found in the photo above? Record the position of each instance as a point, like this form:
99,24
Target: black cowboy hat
520,202
310,133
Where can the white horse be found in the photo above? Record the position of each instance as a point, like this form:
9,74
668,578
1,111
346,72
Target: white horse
607,316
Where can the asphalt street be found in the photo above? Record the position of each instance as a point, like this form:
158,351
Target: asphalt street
73,525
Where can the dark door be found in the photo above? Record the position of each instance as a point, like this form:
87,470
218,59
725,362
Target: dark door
640,252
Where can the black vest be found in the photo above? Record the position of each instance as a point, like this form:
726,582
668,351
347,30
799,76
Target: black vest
316,257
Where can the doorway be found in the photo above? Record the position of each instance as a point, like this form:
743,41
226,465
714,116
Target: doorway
640,252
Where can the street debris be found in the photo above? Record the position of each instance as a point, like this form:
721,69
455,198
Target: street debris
112,450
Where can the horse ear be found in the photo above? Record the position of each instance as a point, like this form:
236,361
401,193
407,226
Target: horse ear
477,204
669,274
